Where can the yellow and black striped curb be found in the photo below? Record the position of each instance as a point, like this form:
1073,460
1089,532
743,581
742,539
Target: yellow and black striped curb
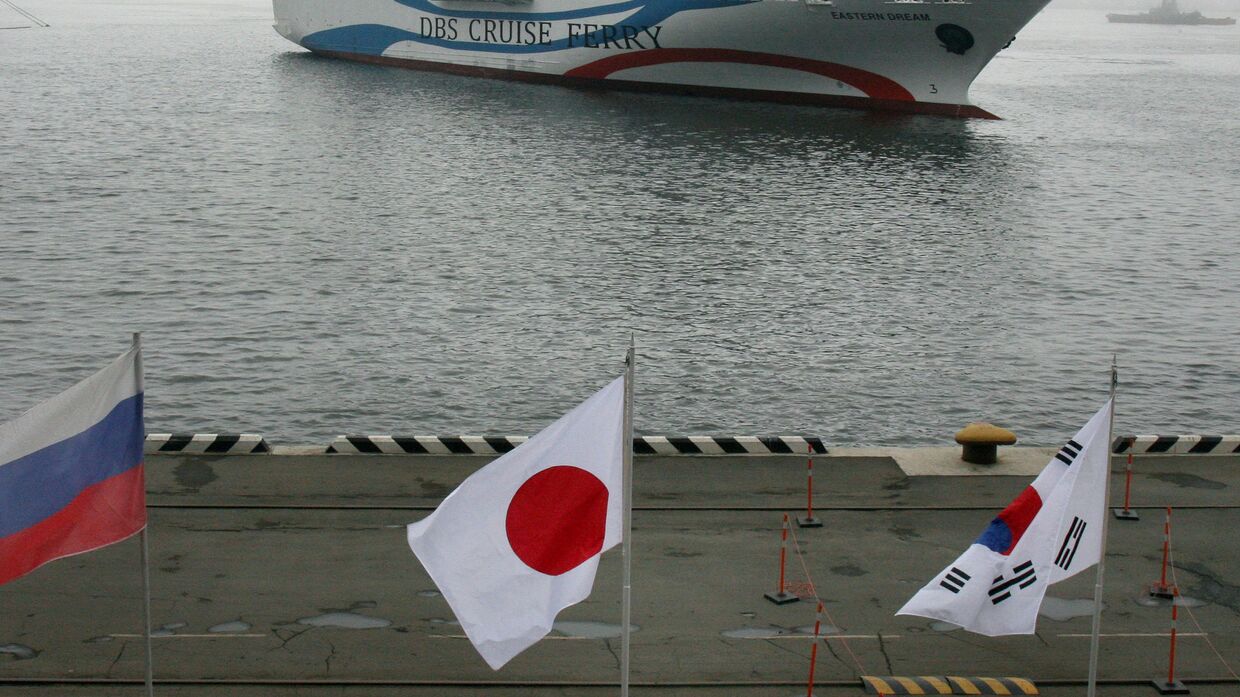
946,685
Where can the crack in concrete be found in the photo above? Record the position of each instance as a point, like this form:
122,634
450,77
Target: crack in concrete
780,645
1210,588
328,662
961,637
120,653
612,650
882,648
836,655
285,641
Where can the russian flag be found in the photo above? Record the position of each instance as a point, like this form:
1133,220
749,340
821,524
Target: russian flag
71,476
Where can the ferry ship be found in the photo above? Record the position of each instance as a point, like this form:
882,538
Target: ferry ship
899,55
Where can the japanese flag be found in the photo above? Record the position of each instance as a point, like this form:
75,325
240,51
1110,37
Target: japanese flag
520,539
1050,532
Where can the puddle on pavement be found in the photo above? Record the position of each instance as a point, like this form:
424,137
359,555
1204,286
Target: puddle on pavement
1062,609
19,652
229,627
194,475
1147,600
823,630
941,626
757,632
169,629
103,639
428,594
440,620
346,620
590,630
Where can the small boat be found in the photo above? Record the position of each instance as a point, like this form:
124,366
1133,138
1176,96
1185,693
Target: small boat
1169,13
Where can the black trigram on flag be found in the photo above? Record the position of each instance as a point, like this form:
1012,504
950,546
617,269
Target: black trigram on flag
1072,540
1067,454
954,580
1022,574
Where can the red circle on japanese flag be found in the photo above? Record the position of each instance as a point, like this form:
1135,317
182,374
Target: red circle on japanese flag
557,519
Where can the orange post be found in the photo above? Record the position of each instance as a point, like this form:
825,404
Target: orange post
1172,686
783,553
1127,481
1161,589
809,487
813,652
1175,607
782,596
1126,513
809,521
1162,580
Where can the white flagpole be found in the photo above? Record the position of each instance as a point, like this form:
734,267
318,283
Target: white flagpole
626,605
146,614
1092,688
146,566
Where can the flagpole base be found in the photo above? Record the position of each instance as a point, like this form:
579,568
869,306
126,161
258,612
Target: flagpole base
781,598
810,522
1125,514
1160,591
1170,688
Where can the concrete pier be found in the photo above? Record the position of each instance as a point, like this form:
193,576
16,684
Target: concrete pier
282,575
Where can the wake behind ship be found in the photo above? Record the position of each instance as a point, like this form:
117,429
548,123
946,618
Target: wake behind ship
901,55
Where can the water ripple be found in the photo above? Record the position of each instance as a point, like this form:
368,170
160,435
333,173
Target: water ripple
313,247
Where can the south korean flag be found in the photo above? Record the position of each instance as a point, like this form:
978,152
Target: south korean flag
1050,532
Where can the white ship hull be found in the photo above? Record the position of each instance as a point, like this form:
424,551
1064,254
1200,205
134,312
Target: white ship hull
894,55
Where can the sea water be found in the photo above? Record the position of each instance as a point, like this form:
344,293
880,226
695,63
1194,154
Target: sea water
313,247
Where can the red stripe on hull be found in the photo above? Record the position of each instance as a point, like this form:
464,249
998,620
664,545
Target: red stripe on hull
107,512
802,98
874,85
